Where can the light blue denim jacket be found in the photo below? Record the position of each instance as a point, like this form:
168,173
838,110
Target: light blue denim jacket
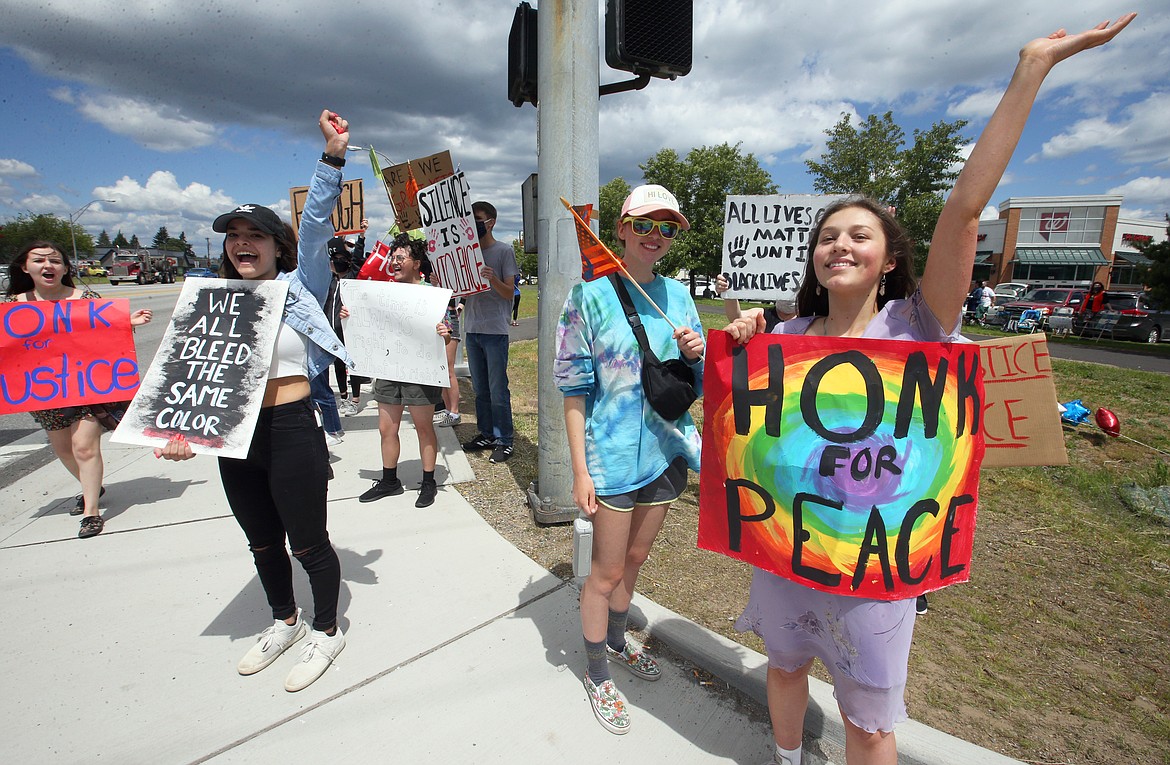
308,286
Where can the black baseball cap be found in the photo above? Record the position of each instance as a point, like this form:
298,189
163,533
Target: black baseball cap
258,215
337,248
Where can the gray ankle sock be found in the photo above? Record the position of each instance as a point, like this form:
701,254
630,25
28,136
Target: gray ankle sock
615,634
598,665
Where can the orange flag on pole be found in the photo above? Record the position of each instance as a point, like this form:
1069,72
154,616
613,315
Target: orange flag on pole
596,259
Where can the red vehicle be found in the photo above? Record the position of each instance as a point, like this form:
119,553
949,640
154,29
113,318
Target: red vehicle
140,268
1043,299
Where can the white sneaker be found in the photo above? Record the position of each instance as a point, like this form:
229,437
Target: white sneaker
440,417
317,654
450,419
347,408
272,643
332,439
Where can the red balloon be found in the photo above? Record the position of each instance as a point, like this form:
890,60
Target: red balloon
1107,420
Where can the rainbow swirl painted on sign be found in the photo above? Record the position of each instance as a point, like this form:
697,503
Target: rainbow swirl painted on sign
848,465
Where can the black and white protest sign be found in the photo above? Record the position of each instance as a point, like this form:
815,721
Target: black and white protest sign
452,244
207,380
765,243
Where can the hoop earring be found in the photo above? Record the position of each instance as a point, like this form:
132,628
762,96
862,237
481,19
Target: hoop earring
882,286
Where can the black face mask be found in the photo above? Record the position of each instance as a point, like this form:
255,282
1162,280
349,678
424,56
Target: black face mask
480,228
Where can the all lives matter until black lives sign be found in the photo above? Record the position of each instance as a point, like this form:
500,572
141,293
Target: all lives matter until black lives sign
207,380
765,243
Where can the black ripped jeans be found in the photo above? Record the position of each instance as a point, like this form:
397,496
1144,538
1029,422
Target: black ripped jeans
279,490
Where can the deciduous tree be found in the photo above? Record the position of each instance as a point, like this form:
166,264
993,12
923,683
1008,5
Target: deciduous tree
25,228
1157,275
870,159
701,182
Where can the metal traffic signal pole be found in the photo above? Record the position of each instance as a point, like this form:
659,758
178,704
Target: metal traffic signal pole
567,166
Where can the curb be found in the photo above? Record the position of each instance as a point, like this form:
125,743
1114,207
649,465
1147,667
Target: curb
746,670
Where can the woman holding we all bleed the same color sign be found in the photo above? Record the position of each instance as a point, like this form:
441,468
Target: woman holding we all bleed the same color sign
279,491
858,283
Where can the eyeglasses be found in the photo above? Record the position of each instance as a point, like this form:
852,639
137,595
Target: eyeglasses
643,226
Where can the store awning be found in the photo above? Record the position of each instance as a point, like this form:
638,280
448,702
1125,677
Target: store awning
1132,258
1061,256
983,258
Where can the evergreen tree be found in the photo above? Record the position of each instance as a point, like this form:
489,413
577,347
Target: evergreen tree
103,241
134,243
120,240
161,238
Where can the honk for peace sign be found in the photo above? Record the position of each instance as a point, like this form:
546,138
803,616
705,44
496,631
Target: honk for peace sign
848,465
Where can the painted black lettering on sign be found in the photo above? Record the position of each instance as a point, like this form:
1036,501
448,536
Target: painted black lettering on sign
208,369
916,377
735,518
875,398
771,396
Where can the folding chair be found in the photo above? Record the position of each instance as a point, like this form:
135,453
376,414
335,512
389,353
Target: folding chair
1030,321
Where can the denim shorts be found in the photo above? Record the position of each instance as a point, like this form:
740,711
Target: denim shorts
664,489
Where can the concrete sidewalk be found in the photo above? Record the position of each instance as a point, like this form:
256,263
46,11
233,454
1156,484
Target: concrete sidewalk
459,647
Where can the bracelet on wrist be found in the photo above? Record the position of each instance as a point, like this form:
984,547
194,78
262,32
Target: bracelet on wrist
329,159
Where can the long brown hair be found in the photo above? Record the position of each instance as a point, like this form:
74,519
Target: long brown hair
900,281
19,280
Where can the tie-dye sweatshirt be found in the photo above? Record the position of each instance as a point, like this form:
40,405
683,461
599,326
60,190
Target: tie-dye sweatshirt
627,443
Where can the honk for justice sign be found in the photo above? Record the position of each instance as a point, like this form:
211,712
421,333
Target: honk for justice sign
848,465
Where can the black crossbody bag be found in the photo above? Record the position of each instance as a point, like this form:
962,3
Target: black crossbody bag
670,384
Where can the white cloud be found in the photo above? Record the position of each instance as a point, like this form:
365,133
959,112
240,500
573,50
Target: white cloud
162,193
991,212
1144,189
1139,136
45,203
14,168
977,105
158,127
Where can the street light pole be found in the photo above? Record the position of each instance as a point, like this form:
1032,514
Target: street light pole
73,221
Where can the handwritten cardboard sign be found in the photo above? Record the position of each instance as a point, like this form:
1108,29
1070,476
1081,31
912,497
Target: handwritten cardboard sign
1020,418
445,210
404,180
347,215
848,465
765,243
207,380
390,331
65,353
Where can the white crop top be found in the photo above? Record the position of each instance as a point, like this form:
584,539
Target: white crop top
290,354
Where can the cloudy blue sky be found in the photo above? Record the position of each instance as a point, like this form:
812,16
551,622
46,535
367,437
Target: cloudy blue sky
181,110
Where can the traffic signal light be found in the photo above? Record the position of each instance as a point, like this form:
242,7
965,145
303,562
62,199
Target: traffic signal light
651,37
522,56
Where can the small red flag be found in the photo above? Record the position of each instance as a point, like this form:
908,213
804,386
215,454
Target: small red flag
596,259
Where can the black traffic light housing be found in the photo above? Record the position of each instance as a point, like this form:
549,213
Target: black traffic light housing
649,37
522,56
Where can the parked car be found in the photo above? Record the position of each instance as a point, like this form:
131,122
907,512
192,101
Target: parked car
993,313
204,273
1014,290
1044,299
1129,316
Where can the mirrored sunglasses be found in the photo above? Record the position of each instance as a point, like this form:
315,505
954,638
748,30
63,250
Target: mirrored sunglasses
643,226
